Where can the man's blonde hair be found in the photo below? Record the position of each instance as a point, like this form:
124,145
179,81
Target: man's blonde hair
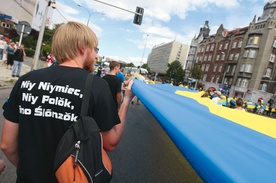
69,37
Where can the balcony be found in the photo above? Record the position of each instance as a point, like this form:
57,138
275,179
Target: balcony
240,89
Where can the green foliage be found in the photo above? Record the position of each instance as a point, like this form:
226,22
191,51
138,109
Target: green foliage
29,52
146,66
196,72
46,48
129,65
175,71
30,43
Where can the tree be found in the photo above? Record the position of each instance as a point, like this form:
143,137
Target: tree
196,72
175,71
129,65
146,66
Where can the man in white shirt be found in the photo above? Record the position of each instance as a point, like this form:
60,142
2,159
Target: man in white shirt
216,98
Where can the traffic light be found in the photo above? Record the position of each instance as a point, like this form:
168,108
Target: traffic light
138,17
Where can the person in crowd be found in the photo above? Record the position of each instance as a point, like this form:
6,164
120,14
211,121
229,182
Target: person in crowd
2,46
49,59
261,109
239,104
10,55
216,97
115,84
233,103
18,59
99,73
44,103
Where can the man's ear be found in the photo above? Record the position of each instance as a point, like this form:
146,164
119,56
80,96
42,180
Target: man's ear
81,48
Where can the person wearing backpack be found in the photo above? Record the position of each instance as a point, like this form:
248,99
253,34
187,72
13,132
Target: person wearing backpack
45,103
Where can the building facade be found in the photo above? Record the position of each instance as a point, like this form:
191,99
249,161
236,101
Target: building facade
241,61
162,55
193,49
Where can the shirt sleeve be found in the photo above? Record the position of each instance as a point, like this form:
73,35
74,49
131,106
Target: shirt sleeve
11,106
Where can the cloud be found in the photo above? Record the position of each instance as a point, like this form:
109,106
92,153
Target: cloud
65,13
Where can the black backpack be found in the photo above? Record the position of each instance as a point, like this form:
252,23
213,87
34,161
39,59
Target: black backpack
80,156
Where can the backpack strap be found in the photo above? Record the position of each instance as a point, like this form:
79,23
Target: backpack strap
86,95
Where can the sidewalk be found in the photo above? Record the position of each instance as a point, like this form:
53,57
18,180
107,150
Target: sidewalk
6,79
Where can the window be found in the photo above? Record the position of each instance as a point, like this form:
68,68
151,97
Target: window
272,58
252,54
205,58
268,72
234,45
217,58
200,58
207,67
238,82
230,81
245,54
250,41
203,49
233,70
226,46
207,48
212,47
202,67
222,56
244,83
274,43
248,68
212,79
242,67
220,68
236,56
225,81
264,86
5,25
231,56
256,40
204,77
215,68
210,57
217,79
220,46
228,68
240,44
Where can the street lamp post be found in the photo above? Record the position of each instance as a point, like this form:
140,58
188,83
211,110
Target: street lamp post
144,50
89,13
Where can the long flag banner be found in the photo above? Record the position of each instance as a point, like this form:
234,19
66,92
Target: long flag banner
221,144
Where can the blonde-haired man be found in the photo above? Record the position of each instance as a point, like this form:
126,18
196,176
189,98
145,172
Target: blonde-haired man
45,102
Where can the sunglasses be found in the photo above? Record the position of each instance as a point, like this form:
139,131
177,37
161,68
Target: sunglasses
96,50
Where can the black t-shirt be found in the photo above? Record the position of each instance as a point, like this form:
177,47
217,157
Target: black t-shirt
18,55
115,85
45,103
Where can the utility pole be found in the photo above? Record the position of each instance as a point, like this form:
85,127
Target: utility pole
41,34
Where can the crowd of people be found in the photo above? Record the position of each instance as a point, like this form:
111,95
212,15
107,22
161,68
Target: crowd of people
238,103
12,55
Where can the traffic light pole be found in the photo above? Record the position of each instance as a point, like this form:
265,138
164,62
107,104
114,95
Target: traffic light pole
138,14
118,7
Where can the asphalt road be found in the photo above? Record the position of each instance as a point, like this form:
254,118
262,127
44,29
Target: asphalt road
145,154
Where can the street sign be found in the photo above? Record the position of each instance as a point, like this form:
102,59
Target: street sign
23,27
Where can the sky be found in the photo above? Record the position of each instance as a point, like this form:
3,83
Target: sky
163,22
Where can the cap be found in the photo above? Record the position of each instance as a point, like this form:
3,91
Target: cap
217,92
